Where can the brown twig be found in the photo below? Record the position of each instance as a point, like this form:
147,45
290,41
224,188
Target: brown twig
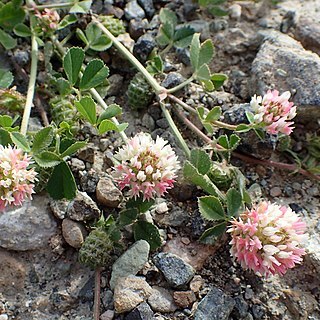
97,290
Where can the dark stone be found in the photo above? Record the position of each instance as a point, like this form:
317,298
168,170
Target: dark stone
133,11
216,305
137,28
183,55
148,7
258,312
141,312
172,80
144,46
241,308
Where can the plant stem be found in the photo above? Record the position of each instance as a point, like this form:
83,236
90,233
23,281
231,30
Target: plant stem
31,85
166,49
180,86
97,289
221,124
175,130
152,81
52,6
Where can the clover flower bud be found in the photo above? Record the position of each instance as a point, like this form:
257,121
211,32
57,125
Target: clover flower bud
274,112
268,239
16,181
146,167
49,19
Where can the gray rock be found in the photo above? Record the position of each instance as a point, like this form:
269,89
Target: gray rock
162,123
28,227
62,300
183,55
59,208
132,10
115,84
130,262
144,46
176,271
148,122
298,68
129,292
161,300
21,57
83,208
77,165
175,218
107,193
258,312
172,80
214,306
141,312
89,180
241,308
137,28
73,232
148,7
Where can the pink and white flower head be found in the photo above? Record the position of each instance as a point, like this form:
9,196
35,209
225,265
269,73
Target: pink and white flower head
274,111
16,180
268,239
147,167
49,19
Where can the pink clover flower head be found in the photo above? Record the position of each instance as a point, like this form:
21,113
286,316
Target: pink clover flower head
146,167
16,180
49,19
274,112
268,239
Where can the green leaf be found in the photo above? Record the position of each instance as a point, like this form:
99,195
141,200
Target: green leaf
214,231
206,52
214,114
207,85
73,148
7,41
250,116
127,216
96,40
6,78
147,231
112,111
61,183
11,15
243,128
101,44
140,204
234,202
87,107
63,86
94,74
81,7
168,17
82,36
200,160
192,174
72,63
20,141
195,51
203,73
108,125
42,140
183,37
163,37
47,159
218,11
234,141
211,208
67,20
22,30
224,141
218,80
6,121
5,137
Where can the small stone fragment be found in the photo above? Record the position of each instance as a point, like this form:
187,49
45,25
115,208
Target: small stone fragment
129,292
73,232
148,7
144,46
59,208
107,193
141,312
133,11
108,315
83,208
214,306
184,299
275,192
130,262
196,283
161,300
176,271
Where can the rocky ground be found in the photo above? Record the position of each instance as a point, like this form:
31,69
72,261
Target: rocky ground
259,45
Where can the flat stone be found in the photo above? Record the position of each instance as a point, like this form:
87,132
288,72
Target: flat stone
214,306
141,312
177,272
132,10
28,227
73,232
12,274
107,193
131,262
83,208
184,299
161,300
108,315
282,63
129,292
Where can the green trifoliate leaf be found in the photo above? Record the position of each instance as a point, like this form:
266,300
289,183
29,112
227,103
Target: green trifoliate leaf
22,30
234,141
127,216
183,37
200,160
96,40
81,7
7,41
211,208
147,231
72,63
6,121
87,107
67,20
47,159
42,140
203,73
206,52
11,15
112,111
168,17
107,125
94,74
140,204
214,114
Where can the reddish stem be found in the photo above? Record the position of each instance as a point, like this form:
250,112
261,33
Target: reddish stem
97,290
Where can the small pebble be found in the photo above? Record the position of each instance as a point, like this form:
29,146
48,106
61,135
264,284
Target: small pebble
185,240
275,192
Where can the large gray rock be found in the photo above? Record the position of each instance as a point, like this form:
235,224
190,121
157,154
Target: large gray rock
130,262
28,227
282,63
176,271
214,306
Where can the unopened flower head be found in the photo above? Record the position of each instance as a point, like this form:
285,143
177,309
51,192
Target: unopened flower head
268,239
16,180
49,19
274,111
147,167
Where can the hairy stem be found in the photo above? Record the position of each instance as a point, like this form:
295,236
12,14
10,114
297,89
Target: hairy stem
175,130
180,86
97,290
133,60
52,6
31,85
